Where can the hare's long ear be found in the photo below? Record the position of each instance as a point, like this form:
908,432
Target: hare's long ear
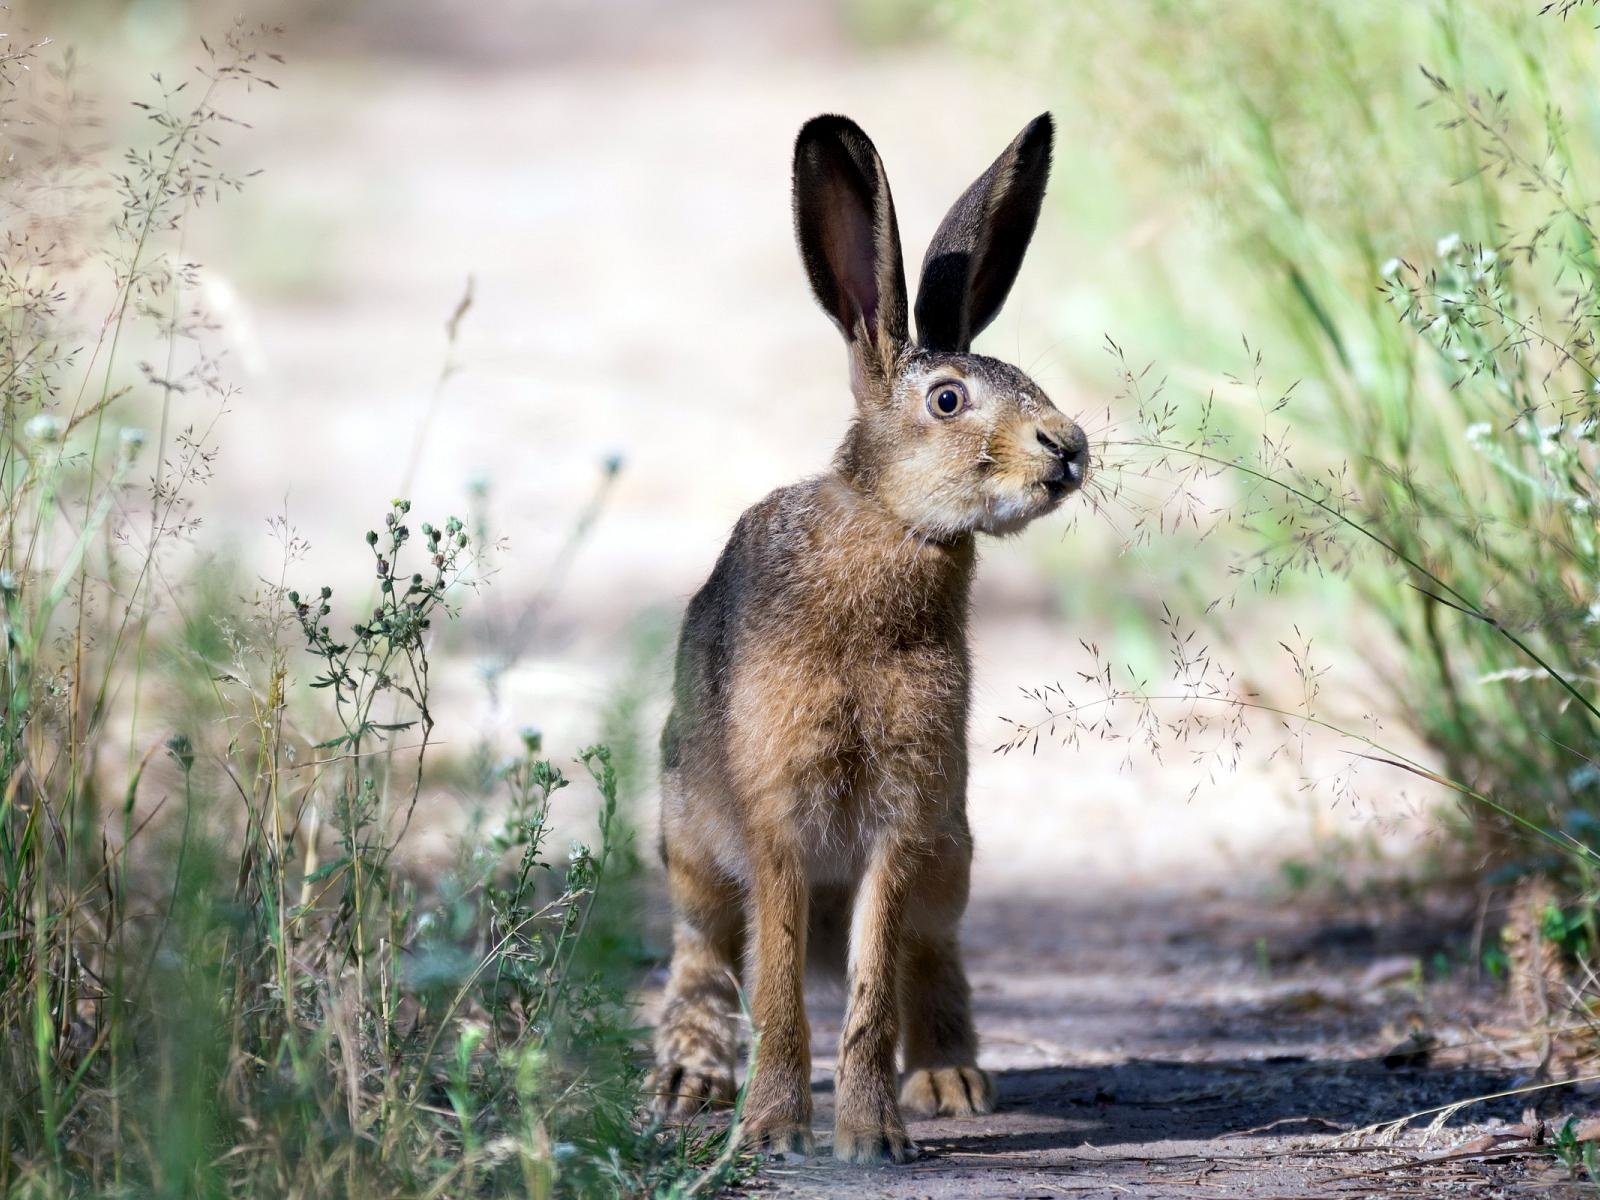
974,257
844,222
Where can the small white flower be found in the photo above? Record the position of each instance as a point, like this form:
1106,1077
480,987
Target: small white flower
1448,245
1478,433
45,427
132,441
1390,268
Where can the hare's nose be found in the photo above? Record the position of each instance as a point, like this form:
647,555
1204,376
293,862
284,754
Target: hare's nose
1071,453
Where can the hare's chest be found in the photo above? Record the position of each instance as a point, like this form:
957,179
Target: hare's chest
881,670
850,743
849,689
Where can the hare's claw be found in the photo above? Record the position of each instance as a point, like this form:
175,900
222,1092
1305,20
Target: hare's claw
872,1146
681,1093
948,1092
781,1139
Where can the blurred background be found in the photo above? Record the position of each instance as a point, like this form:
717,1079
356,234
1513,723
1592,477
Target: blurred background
612,179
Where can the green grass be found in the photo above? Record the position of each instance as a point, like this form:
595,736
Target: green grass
1394,205
220,974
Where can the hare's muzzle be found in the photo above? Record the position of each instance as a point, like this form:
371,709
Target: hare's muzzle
1070,467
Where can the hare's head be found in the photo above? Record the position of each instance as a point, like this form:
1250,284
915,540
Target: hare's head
949,441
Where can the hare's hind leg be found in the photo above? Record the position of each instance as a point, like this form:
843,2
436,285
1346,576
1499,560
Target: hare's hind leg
941,1047
697,1039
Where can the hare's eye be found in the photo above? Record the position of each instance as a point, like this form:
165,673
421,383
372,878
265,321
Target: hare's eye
947,399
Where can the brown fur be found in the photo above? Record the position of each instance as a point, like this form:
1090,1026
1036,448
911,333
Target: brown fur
815,760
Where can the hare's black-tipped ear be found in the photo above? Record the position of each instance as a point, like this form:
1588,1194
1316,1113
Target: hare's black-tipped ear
974,257
844,222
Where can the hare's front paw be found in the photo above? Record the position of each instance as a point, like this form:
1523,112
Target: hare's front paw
681,1092
882,1143
948,1092
779,1138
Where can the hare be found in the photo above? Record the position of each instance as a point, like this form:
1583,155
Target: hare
814,765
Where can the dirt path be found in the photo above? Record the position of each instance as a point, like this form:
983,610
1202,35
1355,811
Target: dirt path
1189,1045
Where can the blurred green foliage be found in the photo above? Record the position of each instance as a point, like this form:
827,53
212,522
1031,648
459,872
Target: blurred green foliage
217,976
1392,202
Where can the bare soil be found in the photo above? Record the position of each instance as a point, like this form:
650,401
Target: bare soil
1190,1043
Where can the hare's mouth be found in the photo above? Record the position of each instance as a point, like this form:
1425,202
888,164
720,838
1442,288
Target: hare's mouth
1062,482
